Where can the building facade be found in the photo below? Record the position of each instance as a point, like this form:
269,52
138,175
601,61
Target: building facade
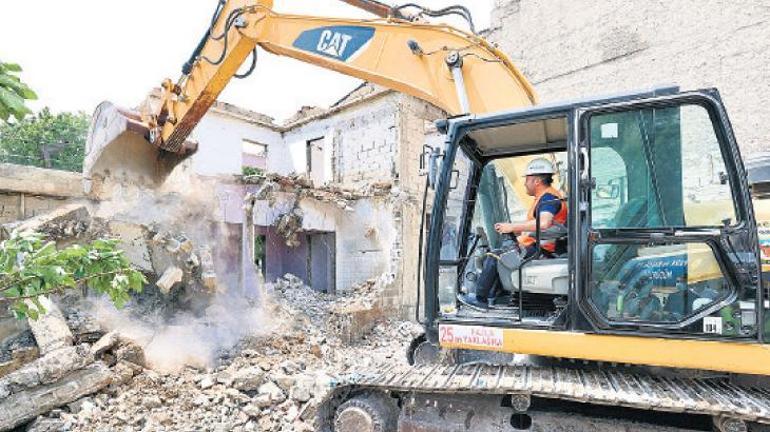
573,49
355,188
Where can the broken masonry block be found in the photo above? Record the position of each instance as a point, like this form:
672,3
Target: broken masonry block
170,276
209,280
173,245
105,343
26,405
50,329
185,244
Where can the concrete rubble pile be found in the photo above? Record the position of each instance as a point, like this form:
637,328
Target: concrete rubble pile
349,317
168,257
299,187
274,382
64,372
70,371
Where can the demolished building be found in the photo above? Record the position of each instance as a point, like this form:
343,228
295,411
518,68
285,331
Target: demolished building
336,192
330,200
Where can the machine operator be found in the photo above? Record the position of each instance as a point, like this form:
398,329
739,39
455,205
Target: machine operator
553,213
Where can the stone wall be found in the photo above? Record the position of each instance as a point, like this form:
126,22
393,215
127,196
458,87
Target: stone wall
415,128
30,191
579,48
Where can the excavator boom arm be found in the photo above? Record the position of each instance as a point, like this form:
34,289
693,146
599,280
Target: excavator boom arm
452,69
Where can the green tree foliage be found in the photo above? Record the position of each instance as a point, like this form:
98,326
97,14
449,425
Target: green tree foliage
13,92
31,267
46,140
248,171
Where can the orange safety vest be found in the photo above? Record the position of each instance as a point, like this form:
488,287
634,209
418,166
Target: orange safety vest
527,239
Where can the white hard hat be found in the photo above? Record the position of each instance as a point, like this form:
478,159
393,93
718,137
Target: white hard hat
539,166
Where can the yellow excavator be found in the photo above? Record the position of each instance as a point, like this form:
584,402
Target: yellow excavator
649,317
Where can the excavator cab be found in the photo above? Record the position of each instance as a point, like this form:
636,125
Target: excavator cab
660,241
501,197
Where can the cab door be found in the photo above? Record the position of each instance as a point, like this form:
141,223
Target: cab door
669,238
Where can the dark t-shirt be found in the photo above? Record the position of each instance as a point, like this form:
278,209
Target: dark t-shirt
549,203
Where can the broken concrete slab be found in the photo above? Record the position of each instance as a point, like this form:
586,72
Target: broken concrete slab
50,329
133,242
46,369
26,405
45,424
67,221
248,379
105,343
171,276
40,181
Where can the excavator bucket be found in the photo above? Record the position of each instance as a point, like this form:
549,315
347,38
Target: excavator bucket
119,153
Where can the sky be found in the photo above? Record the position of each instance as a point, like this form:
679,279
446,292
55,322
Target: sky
78,53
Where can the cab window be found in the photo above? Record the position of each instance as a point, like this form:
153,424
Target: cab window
658,167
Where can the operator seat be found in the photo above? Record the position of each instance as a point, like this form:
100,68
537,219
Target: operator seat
552,262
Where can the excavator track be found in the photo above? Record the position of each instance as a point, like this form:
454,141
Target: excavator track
716,397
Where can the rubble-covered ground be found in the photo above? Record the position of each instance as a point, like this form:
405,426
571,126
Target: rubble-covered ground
269,381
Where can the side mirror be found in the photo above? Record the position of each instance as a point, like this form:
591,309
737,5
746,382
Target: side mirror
429,164
433,168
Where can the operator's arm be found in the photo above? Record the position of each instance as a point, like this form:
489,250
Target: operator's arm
546,220
549,205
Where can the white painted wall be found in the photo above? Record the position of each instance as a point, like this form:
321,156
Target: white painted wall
359,144
291,156
220,139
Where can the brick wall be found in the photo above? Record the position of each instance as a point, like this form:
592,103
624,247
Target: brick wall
415,128
365,145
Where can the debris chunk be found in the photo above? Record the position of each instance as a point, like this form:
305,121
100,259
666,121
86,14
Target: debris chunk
171,276
46,369
248,379
50,329
70,220
106,342
24,406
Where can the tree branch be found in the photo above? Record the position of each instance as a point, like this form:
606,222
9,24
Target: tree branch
57,289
